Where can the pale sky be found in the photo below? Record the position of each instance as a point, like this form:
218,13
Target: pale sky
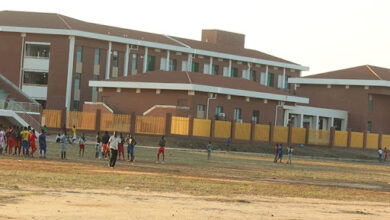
324,35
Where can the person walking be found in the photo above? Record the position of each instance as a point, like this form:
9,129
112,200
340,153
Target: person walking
290,151
209,149
113,143
42,144
161,150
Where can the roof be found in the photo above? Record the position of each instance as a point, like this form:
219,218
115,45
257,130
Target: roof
365,72
175,80
57,21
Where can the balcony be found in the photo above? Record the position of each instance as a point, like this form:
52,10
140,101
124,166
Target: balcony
35,91
36,63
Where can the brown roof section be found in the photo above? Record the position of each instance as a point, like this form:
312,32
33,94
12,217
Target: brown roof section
57,21
199,79
366,72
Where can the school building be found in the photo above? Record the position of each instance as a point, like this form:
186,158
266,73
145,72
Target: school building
363,91
65,63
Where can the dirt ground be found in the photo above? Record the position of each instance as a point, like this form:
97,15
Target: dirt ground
39,203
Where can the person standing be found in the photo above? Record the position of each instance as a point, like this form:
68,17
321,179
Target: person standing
18,143
385,156
290,151
161,150
32,137
280,153
113,143
25,134
74,138
82,141
121,147
106,149
11,140
209,149
130,148
98,146
42,144
380,153
276,153
64,140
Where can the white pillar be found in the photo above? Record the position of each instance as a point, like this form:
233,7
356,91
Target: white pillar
316,120
266,75
230,68
285,121
189,65
167,63
108,60
70,72
344,124
330,122
211,66
145,59
284,78
300,120
126,66
249,71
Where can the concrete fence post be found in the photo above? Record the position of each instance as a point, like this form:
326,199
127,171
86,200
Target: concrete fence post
98,120
289,135
191,126
133,120
349,138
332,136
365,140
253,128
271,133
379,140
64,116
307,134
168,123
212,129
232,130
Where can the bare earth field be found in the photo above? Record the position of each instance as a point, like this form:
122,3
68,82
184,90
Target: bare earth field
188,186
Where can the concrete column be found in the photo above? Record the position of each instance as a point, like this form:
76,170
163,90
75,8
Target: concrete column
189,65
284,78
168,123
145,59
289,137
249,71
300,120
98,117
380,140
331,136
211,66
271,133
108,60
343,125
285,120
349,138
364,139
233,130
126,65
253,126
132,123
307,135
330,122
70,72
191,127
167,63
212,129
266,75
316,120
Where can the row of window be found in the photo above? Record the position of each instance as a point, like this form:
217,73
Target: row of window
220,115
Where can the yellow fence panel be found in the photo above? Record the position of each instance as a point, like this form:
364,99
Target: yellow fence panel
261,132
242,131
115,122
298,135
385,141
372,141
341,138
180,125
51,118
201,127
150,125
82,120
357,139
280,134
222,129
319,137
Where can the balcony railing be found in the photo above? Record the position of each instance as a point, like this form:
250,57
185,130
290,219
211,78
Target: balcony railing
20,106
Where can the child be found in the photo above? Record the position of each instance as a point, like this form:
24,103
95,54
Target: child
32,138
42,144
98,146
290,151
18,142
11,140
58,138
380,152
64,139
121,147
130,148
82,141
280,152
74,134
209,149
106,149
276,153
24,135
385,157
161,150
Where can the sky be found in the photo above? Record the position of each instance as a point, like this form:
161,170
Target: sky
324,35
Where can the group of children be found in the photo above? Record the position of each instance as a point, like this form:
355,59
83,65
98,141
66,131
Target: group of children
278,150
382,154
16,140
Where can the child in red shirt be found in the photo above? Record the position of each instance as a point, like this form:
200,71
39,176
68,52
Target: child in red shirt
31,140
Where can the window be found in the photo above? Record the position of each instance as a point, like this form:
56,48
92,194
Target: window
184,66
79,54
234,72
270,81
97,56
237,114
245,74
77,81
134,62
115,58
280,81
172,65
218,111
369,126
206,69
256,116
195,67
286,83
370,103
214,70
95,77
150,63
76,105
253,75
37,78
200,108
39,51
262,79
